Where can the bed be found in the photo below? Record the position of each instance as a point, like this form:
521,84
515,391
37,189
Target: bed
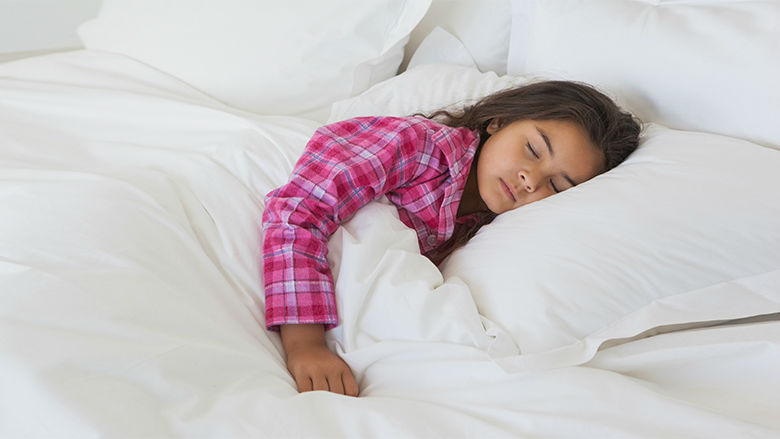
643,303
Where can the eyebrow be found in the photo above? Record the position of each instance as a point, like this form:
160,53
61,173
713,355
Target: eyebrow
552,154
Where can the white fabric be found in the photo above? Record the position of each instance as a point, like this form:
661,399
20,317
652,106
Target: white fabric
482,26
269,57
129,286
386,290
686,219
425,89
440,47
709,65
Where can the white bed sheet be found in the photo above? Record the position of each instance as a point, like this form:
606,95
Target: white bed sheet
130,307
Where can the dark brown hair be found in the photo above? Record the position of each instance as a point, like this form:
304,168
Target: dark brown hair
613,131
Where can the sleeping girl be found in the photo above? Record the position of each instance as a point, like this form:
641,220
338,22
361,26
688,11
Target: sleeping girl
448,174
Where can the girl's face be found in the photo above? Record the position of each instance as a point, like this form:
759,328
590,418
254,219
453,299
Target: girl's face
528,160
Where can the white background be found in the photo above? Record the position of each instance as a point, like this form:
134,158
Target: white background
42,25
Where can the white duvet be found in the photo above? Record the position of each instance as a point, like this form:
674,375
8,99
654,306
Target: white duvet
131,306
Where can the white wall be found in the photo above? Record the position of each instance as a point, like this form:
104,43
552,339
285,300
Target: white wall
42,25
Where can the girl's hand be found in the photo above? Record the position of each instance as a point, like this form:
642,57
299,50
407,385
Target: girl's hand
312,364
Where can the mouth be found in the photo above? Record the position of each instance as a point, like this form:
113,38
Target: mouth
508,191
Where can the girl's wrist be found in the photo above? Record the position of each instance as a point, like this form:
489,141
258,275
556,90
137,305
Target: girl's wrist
296,336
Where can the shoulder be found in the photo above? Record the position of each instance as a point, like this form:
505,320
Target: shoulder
388,125
408,133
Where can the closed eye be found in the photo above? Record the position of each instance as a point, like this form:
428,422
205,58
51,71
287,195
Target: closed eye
552,183
531,148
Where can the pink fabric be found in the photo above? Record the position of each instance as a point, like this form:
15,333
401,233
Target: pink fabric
421,166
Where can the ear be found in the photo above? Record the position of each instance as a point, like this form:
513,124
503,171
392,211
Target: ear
493,126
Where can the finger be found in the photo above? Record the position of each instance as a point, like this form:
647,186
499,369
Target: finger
303,383
319,383
334,383
350,385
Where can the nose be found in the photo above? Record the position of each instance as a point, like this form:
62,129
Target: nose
527,181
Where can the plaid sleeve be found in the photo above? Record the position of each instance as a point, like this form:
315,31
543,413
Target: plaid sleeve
344,166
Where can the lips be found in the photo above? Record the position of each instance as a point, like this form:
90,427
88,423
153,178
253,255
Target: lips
508,191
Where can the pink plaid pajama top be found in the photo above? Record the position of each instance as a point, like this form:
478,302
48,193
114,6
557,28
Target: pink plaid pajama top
421,166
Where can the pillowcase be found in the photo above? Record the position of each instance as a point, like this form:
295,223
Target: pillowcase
269,57
686,230
425,89
708,65
482,26
441,47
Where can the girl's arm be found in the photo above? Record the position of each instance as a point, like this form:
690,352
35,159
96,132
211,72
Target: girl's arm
344,167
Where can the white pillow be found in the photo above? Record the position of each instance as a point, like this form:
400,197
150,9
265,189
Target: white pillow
441,47
269,57
482,26
426,88
708,65
686,230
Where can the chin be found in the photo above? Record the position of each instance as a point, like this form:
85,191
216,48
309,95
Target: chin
499,209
